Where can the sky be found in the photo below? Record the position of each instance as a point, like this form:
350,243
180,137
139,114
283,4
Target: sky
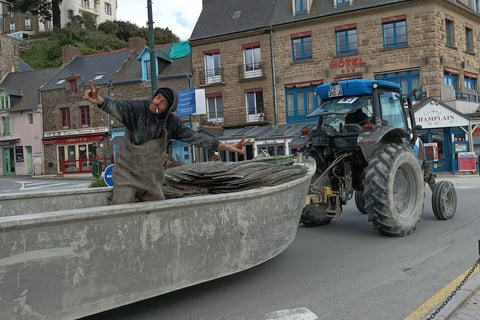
179,16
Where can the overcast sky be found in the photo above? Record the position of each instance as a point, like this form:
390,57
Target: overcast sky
179,16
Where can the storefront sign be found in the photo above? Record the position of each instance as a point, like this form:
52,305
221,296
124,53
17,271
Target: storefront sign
434,115
72,140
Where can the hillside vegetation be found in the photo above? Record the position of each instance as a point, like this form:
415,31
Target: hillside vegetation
45,49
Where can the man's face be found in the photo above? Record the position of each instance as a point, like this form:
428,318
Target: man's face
159,104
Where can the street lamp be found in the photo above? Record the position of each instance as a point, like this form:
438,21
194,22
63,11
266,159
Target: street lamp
151,38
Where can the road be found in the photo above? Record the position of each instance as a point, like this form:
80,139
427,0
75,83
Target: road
20,184
341,271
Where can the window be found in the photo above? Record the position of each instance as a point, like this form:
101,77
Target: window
254,99
65,118
470,82
4,100
272,149
72,86
212,67
108,9
252,56
30,118
301,6
300,102
347,41
5,126
28,24
85,116
302,48
450,32
469,40
394,34
408,80
342,2
451,79
12,27
85,4
215,108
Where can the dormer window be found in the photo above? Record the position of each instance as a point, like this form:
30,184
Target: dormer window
338,3
301,6
4,100
72,84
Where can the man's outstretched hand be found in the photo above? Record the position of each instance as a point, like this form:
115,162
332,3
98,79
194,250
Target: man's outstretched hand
91,94
237,147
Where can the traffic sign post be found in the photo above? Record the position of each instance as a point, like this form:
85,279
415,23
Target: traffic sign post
107,175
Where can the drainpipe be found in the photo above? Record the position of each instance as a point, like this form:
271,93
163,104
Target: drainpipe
274,77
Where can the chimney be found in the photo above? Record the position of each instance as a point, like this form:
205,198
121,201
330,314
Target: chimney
136,43
68,53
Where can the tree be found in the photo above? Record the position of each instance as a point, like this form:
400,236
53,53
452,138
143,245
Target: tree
47,10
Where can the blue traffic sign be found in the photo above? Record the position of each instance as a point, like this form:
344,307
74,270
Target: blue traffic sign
107,175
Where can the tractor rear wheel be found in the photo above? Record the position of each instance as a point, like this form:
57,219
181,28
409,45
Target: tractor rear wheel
394,190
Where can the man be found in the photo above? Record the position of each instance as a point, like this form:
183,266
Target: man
150,124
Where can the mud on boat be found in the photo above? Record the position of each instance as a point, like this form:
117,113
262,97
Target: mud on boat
66,255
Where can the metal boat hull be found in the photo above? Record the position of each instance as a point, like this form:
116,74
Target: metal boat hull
70,263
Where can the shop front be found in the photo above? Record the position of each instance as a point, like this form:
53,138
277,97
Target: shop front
76,154
445,134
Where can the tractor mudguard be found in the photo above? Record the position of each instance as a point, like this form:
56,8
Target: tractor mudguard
370,140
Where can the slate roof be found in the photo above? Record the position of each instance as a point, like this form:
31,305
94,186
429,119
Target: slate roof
24,87
91,66
217,16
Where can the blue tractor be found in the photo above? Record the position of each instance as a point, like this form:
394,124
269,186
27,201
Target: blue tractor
363,146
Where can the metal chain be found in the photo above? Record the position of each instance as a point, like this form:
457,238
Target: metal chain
454,292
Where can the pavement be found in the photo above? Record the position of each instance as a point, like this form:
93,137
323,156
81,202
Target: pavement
464,305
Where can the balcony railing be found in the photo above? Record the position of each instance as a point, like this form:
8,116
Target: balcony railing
466,96
212,76
251,71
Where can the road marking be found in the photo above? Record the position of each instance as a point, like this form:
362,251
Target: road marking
38,185
430,305
291,314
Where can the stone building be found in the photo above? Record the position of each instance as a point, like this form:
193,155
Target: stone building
17,24
260,61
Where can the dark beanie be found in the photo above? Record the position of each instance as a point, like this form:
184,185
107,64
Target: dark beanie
167,93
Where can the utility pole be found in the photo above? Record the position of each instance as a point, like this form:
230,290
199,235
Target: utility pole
151,41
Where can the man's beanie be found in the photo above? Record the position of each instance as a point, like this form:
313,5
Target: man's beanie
167,93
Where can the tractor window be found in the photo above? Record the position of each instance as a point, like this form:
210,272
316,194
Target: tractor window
392,109
338,112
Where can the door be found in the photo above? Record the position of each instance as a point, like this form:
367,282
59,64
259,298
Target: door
8,157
